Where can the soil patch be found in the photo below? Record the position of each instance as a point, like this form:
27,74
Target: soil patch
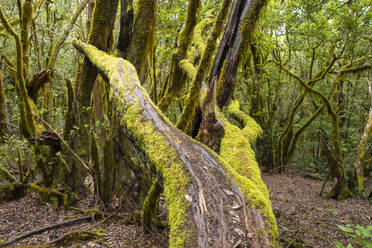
306,219
29,213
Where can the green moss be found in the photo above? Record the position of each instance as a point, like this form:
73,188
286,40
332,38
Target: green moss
238,153
166,161
176,79
3,112
151,205
191,54
199,29
188,68
12,23
155,145
48,194
251,129
26,122
25,24
241,164
193,93
6,176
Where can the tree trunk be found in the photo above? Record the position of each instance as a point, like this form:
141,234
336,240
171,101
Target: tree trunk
3,112
100,35
143,36
234,43
210,203
361,152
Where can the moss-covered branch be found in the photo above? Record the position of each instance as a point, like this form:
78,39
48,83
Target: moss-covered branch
251,129
12,23
176,77
199,30
100,35
236,150
188,68
27,123
197,185
193,93
344,70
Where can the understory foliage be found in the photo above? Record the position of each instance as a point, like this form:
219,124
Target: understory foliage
298,98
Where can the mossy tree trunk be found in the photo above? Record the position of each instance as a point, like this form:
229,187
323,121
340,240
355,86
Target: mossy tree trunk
26,122
126,27
100,35
3,111
210,202
340,189
176,79
361,151
194,92
143,36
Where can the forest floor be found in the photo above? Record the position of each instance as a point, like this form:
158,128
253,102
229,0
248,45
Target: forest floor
304,218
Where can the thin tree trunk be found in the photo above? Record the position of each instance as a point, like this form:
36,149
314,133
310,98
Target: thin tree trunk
361,152
3,112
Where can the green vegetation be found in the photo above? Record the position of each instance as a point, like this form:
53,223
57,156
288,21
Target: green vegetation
91,107
360,235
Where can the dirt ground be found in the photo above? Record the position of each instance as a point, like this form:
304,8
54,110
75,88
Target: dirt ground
304,218
29,213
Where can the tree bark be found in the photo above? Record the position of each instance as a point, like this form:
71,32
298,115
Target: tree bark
361,152
235,41
3,112
143,36
210,204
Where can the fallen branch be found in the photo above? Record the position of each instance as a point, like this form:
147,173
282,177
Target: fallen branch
49,227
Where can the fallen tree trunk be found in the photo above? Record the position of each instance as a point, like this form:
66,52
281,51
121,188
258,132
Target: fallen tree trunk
209,203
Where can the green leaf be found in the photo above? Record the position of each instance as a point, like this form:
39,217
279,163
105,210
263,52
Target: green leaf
339,244
345,229
364,232
367,243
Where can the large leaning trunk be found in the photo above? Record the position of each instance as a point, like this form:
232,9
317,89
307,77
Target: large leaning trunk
210,204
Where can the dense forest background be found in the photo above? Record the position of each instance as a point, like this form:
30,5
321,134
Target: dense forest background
299,69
